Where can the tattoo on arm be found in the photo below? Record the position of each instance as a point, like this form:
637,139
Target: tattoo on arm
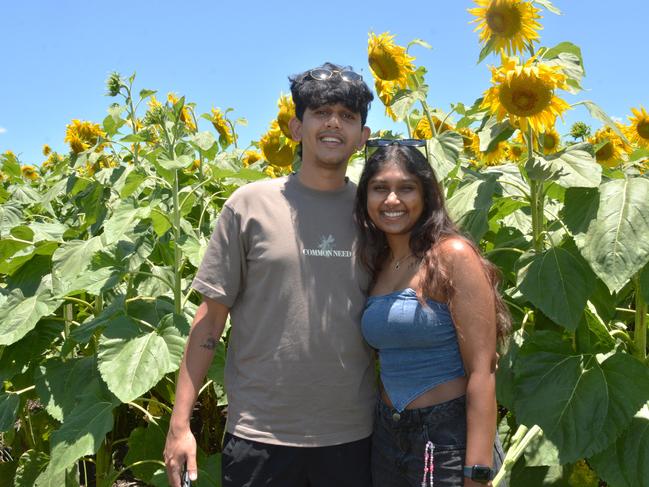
210,343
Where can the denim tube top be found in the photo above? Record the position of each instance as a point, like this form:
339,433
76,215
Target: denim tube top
417,345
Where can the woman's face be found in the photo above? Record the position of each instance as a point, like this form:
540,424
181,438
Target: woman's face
394,199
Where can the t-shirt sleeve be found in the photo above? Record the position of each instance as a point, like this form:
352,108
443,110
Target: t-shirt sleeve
222,270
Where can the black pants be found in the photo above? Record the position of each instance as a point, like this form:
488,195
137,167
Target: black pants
247,463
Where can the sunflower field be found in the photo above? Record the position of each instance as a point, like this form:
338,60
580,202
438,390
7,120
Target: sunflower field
98,247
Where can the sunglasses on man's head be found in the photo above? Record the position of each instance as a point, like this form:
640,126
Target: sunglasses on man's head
374,143
322,74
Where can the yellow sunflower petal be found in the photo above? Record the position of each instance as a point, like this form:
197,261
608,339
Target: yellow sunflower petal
510,24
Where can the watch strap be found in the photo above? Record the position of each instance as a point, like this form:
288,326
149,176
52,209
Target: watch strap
468,472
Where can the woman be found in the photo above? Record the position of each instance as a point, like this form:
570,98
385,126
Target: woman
434,315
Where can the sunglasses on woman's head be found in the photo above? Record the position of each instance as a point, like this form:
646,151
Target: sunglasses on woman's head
374,143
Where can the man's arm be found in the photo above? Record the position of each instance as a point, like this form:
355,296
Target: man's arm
204,336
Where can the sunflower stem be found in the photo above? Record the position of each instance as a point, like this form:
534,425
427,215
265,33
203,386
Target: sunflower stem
177,250
640,331
536,198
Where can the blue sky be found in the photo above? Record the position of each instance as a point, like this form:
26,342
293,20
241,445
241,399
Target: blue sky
56,56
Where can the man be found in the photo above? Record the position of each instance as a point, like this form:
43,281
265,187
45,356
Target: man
299,378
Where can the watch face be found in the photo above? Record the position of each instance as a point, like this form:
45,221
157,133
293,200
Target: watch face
481,473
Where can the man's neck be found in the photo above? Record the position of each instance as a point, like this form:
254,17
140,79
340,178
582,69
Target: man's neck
322,179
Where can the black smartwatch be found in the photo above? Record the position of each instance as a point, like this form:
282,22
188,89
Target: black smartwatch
479,473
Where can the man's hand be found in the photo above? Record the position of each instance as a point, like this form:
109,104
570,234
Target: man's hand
180,448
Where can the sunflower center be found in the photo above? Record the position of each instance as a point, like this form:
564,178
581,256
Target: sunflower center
643,129
549,141
504,21
605,152
525,96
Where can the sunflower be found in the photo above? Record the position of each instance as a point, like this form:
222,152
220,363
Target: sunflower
386,91
494,157
29,172
509,24
423,131
389,61
549,141
83,135
52,160
222,126
638,131
277,149
525,93
250,157
611,147
46,150
286,113
185,115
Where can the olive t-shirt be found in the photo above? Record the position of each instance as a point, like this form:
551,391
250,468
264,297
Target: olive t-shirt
297,370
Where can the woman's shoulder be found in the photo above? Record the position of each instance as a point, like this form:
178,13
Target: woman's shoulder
456,250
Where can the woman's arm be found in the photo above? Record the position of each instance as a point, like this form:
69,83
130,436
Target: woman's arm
473,309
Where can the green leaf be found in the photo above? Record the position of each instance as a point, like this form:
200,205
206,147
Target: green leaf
147,93
81,434
145,444
203,141
55,379
625,463
505,370
488,48
19,314
217,367
70,260
404,100
582,402
172,329
576,167
444,151
592,336
178,162
30,464
596,112
569,58
469,206
9,404
111,313
132,138
161,222
419,42
10,216
123,220
194,248
494,132
132,365
112,125
548,5
580,208
559,283
615,244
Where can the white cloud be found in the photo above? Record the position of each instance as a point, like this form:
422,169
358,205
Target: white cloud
2,130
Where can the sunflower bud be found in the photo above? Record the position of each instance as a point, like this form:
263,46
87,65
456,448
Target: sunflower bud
114,84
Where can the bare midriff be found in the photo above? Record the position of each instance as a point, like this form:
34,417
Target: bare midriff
437,395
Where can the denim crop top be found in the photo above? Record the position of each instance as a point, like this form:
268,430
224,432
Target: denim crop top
417,346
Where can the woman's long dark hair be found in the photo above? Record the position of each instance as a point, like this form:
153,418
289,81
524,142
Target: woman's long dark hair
433,227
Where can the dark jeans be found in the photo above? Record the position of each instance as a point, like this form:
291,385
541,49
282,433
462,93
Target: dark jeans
399,445
247,463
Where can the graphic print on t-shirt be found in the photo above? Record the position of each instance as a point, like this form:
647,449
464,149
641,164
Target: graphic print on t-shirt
326,248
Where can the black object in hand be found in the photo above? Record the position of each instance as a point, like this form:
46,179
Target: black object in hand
184,478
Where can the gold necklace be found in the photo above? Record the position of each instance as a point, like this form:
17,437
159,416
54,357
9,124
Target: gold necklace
398,262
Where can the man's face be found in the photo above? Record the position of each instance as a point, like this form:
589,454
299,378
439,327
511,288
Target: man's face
330,134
